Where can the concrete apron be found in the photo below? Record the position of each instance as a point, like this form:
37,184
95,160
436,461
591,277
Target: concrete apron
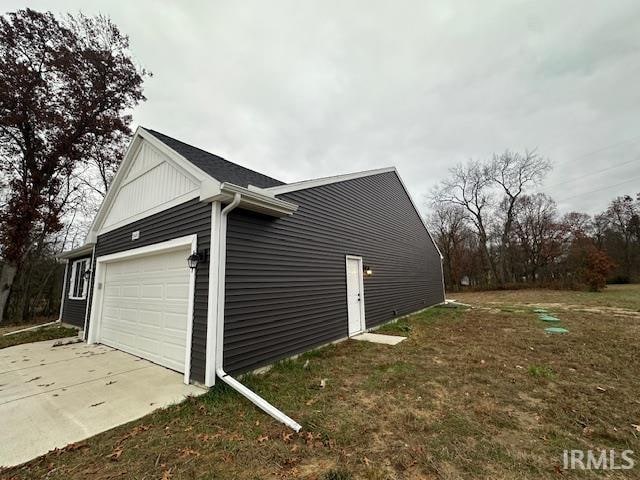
53,396
379,338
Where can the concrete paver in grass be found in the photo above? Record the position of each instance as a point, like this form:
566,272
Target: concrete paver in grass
379,338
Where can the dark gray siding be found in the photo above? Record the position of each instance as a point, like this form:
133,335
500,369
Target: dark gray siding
286,280
73,311
192,217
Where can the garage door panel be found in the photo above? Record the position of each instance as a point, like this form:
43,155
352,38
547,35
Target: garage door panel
176,291
152,291
145,307
111,291
174,321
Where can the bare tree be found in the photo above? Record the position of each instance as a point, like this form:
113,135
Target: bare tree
536,231
513,172
469,188
623,219
449,224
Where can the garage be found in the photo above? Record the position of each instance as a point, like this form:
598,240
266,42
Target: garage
145,303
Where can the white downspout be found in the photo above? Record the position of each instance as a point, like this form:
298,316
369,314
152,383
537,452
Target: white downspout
64,287
85,334
226,378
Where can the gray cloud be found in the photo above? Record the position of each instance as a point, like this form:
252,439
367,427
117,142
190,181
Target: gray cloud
304,89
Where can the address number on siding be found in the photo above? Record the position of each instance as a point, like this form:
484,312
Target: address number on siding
135,235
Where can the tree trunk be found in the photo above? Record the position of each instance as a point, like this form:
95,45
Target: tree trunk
7,275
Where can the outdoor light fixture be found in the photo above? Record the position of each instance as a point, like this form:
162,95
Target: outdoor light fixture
367,270
193,260
87,274
197,257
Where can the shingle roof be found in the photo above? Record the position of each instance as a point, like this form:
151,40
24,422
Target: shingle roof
219,168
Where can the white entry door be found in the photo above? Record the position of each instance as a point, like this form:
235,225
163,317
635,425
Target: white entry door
145,307
355,295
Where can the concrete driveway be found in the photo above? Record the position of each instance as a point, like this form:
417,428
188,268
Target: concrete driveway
52,396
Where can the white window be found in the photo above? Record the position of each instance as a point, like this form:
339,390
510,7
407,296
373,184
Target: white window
78,284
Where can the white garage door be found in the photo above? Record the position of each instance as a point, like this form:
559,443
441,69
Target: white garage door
145,304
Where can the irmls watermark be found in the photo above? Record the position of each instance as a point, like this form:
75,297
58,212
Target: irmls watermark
598,460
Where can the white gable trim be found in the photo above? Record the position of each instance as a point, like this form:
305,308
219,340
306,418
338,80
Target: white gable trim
415,207
198,176
318,182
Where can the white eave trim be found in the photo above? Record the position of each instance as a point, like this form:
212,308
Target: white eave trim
318,182
85,249
256,201
420,216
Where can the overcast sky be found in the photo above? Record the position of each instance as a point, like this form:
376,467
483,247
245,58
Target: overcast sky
303,89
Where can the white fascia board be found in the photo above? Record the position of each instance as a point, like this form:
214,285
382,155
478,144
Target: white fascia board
117,180
419,216
318,182
182,162
253,200
260,190
199,176
86,248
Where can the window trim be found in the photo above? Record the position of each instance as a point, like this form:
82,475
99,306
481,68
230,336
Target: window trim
72,281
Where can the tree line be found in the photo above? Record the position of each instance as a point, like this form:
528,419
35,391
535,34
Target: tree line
495,230
67,86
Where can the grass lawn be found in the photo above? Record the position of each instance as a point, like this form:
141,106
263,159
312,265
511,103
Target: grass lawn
44,333
614,296
473,393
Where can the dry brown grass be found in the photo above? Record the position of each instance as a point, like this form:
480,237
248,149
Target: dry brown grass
476,393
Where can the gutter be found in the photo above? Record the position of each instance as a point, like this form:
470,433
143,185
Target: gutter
251,200
219,360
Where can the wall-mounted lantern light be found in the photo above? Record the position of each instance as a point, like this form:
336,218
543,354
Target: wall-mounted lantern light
197,257
193,260
367,270
87,274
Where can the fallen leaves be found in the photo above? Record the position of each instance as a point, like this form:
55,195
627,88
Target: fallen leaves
134,432
205,437
188,452
166,475
118,449
116,454
73,447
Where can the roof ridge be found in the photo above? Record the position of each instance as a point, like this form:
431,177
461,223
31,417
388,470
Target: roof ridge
202,162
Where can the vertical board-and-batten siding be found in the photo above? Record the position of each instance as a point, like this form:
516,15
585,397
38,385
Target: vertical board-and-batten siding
192,217
151,182
73,311
286,277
